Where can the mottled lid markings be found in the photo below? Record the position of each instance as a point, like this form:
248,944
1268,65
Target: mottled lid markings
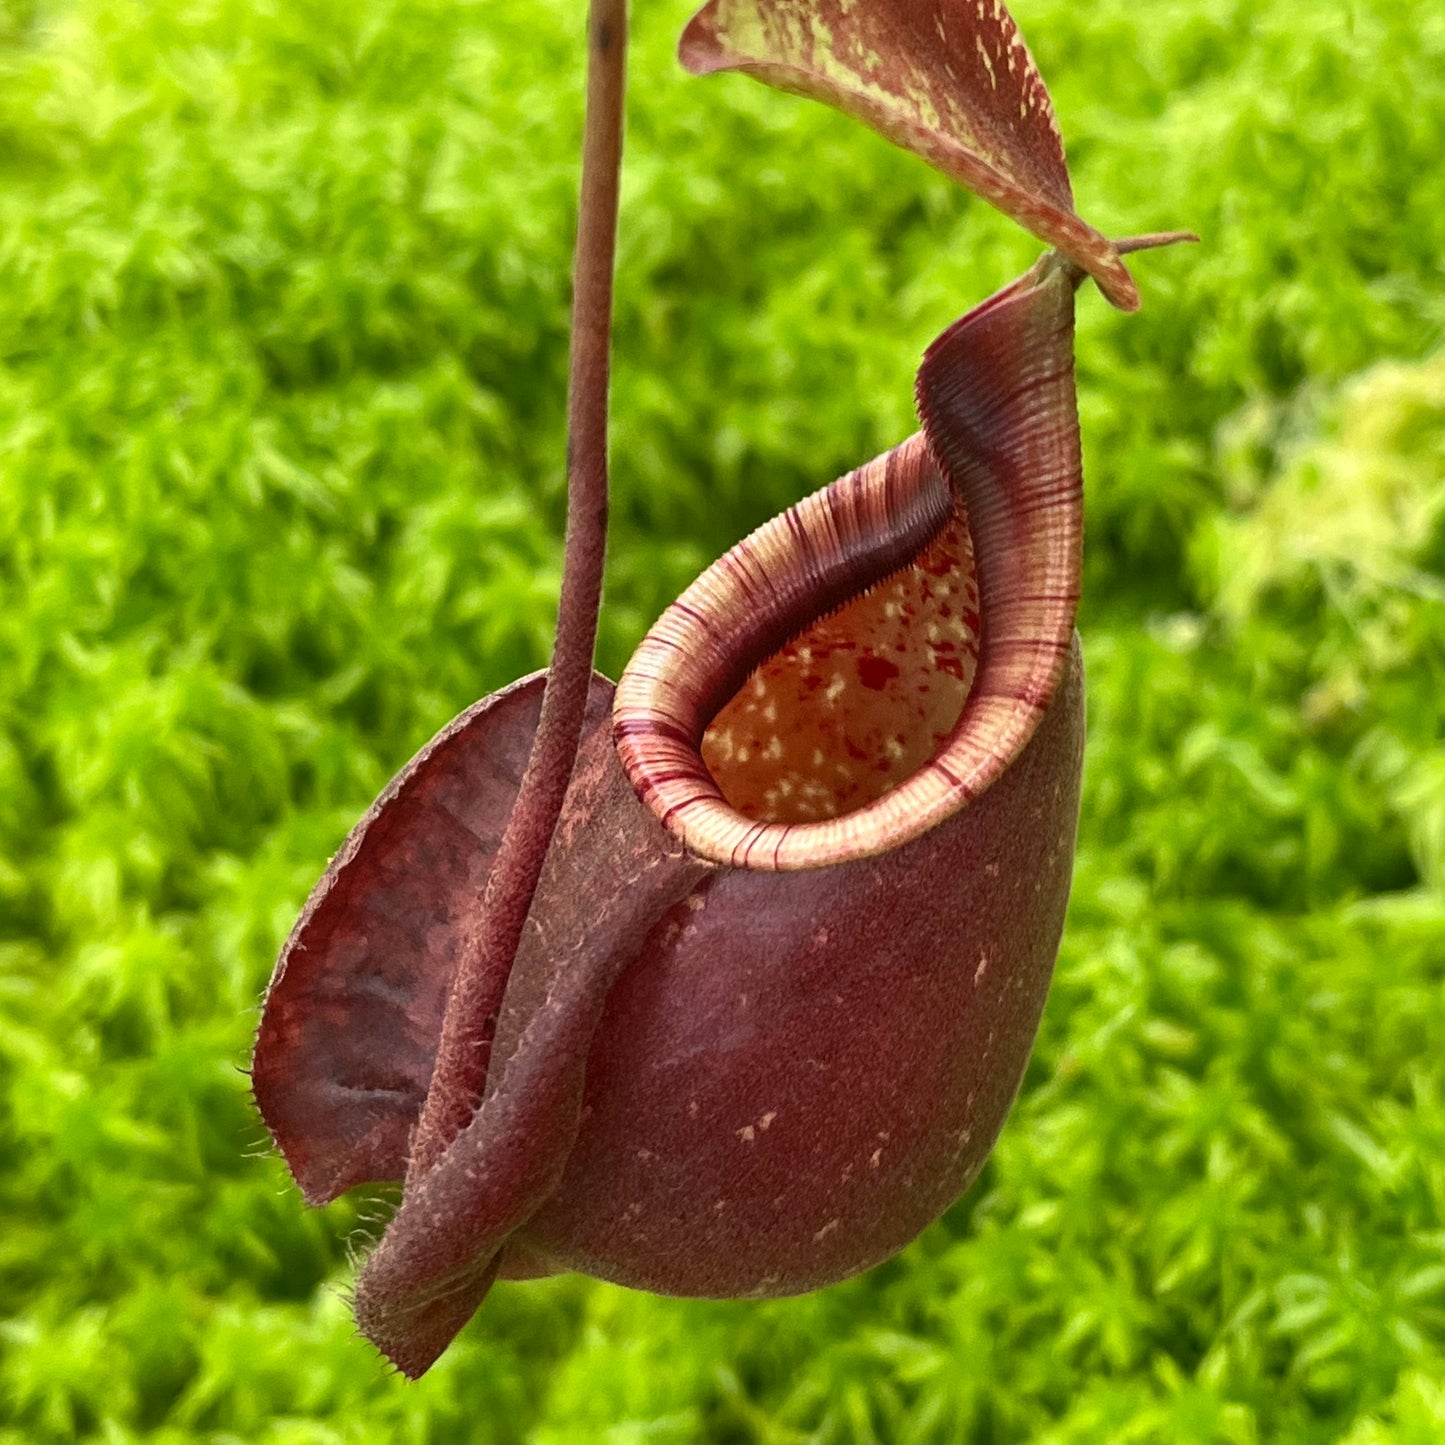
949,80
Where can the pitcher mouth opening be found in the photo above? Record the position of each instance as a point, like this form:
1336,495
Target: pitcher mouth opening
832,735
723,720
859,701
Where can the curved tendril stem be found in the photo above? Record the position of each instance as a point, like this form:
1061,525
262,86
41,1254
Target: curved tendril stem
461,1067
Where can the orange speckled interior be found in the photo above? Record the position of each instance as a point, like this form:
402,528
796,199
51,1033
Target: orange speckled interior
858,702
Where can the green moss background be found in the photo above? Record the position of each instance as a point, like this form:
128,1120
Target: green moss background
283,291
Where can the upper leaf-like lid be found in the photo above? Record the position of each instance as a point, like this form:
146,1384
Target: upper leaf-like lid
950,80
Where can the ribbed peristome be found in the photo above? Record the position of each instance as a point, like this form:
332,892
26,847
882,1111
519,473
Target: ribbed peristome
970,532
